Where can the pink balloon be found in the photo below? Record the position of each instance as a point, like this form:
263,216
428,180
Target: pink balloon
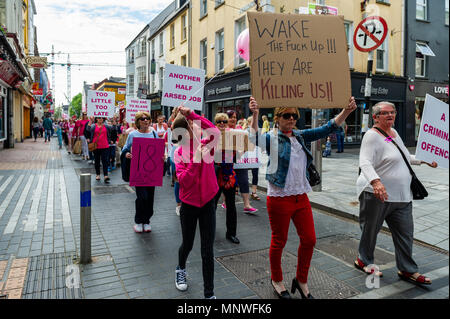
243,45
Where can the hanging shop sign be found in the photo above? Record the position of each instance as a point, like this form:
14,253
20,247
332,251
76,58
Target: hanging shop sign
37,62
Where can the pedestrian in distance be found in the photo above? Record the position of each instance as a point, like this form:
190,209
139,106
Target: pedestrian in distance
266,124
198,188
241,174
145,195
287,190
112,145
160,127
36,126
100,133
79,128
48,127
327,150
384,192
340,137
226,179
59,134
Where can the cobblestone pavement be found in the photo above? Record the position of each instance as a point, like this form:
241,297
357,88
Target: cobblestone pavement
40,243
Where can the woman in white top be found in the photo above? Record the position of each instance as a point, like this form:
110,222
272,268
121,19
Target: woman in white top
384,192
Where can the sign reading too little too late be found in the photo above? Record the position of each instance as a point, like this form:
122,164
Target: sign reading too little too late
101,103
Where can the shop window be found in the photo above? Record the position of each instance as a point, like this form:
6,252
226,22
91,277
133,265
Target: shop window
203,55
130,84
161,78
239,27
183,60
422,9
161,44
382,57
422,52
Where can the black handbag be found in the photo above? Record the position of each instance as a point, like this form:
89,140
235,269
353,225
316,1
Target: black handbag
418,190
314,176
125,165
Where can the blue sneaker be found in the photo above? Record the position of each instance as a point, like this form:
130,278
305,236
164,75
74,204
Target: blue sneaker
113,167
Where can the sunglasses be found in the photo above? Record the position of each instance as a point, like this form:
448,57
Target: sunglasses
222,122
287,116
144,119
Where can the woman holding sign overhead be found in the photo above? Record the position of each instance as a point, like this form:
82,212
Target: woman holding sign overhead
144,194
288,185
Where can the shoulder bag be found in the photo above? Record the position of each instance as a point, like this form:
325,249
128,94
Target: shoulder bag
418,190
93,146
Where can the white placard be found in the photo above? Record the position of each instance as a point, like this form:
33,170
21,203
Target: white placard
136,105
250,159
432,144
183,85
101,103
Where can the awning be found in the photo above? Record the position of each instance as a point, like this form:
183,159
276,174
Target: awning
424,49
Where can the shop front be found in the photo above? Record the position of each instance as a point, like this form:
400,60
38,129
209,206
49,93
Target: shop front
156,108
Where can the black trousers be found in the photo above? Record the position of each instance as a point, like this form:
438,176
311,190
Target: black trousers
145,196
103,154
230,202
206,217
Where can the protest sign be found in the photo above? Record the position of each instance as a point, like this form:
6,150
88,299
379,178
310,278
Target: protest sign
147,162
299,60
250,159
136,105
183,85
432,144
235,140
101,103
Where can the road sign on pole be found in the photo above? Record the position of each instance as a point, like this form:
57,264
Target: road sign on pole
370,33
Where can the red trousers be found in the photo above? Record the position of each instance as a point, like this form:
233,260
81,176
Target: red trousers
281,210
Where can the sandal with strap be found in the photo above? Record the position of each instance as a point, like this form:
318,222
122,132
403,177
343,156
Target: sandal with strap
361,266
255,196
421,280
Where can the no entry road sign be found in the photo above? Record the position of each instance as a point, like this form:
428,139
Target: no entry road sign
370,34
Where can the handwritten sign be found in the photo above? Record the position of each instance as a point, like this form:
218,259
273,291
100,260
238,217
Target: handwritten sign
432,144
101,103
250,159
183,85
147,162
299,60
134,106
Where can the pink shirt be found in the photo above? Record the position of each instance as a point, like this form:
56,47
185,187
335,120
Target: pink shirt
198,182
103,140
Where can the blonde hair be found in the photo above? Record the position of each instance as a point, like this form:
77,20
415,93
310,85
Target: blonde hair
280,110
221,116
138,116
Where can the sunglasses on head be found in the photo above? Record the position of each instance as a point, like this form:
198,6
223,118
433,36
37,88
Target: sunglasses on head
287,116
144,119
222,122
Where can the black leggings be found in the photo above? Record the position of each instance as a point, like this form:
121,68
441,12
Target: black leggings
206,217
102,153
230,202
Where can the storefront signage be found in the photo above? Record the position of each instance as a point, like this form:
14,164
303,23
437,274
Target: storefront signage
432,144
218,91
37,62
299,60
242,87
101,103
441,90
376,90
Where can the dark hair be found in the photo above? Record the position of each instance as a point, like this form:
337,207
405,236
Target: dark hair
230,113
180,121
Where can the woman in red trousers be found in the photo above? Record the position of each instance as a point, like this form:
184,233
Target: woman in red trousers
288,184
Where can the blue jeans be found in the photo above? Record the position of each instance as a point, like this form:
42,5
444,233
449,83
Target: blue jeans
48,134
340,141
112,155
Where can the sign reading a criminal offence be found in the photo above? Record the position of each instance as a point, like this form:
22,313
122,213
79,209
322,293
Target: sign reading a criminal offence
134,106
299,60
432,144
183,85
101,103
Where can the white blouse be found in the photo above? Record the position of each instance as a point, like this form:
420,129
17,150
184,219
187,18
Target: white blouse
379,158
296,181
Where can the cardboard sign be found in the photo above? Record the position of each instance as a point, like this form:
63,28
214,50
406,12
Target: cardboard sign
183,85
235,140
134,106
432,144
299,60
101,103
147,162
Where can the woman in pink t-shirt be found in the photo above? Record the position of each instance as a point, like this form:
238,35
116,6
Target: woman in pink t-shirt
101,134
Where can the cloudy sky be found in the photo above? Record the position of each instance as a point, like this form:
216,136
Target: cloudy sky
83,28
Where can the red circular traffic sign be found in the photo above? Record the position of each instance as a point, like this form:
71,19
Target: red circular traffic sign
370,33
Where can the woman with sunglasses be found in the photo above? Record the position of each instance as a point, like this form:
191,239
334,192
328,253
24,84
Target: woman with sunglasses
226,178
242,173
144,194
287,188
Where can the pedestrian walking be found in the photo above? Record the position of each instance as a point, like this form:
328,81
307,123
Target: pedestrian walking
160,127
100,133
70,137
36,126
287,189
384,192
59,134
198,188
48,127
327,150
112,145
144,194
266,124
226,179
79,128
241,174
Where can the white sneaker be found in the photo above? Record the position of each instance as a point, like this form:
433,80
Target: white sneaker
212,297
177,210
180,279
147,228
138,228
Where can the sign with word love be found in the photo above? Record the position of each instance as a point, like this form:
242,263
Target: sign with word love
432,144
183,85
134,106
147,162
299,60
101,103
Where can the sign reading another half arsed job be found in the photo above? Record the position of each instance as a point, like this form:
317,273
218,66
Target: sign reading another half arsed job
101,103
183,85
299,60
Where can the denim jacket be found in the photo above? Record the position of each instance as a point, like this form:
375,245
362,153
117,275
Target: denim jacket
278,177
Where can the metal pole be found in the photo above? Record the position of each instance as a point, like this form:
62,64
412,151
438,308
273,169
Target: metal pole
316,147
368,87
85,218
